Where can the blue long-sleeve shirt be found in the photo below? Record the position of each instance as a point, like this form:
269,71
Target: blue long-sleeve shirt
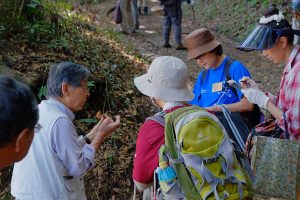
74,153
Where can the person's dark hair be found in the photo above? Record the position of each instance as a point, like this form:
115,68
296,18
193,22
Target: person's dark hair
218,50
283,24
65,72
18,109
271,10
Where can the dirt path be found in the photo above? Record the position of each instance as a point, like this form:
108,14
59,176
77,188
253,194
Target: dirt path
148,41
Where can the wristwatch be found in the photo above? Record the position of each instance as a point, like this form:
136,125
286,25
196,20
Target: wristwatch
87,140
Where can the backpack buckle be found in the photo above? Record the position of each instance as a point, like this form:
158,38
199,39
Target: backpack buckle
240,154
211,160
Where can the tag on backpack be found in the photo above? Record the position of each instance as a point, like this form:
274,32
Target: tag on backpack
217,87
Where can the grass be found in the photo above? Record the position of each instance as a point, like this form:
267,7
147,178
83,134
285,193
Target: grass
233,18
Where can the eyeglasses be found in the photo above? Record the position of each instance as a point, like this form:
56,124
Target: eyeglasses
37,127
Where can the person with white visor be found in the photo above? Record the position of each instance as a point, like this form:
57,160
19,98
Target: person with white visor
274,37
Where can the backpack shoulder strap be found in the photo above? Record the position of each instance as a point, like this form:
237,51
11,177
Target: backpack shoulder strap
227,73
158,117
227,67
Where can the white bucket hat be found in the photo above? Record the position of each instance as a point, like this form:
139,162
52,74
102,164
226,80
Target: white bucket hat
166,79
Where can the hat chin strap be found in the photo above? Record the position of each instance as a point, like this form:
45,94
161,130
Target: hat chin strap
277,17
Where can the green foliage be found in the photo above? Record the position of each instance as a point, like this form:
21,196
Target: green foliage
266,2
39,31
8,13
33,8
91,84
89,1
15,14
210,13
42,92
6,196
41,20
233,18
59,5
110,158
58,43
2,29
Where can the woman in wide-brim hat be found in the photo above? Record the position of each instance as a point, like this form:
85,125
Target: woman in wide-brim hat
210,90
166,83
274,37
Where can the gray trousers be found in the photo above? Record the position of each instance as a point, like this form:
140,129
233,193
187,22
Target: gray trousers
176,22
127,17
135,13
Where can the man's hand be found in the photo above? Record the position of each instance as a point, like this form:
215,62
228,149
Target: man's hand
256,97
104,130
95,130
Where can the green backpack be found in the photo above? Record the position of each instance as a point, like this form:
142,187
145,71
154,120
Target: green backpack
203,158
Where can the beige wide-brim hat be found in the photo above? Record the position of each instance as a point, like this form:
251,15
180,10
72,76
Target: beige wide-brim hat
166,79
199,42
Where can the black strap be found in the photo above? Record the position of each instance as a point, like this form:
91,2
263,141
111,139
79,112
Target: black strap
227,68
227,74
287,135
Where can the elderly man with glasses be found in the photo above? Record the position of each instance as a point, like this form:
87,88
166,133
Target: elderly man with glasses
58,158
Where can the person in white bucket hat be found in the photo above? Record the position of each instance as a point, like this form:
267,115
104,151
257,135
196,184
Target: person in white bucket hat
165,79
166,83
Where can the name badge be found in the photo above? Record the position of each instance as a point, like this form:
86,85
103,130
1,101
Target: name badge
217,87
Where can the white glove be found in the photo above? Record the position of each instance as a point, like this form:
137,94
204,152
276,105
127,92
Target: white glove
273,98
192,3
256,97
246,82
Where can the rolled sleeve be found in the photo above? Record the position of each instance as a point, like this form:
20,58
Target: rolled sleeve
74,153
89,153
81,141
